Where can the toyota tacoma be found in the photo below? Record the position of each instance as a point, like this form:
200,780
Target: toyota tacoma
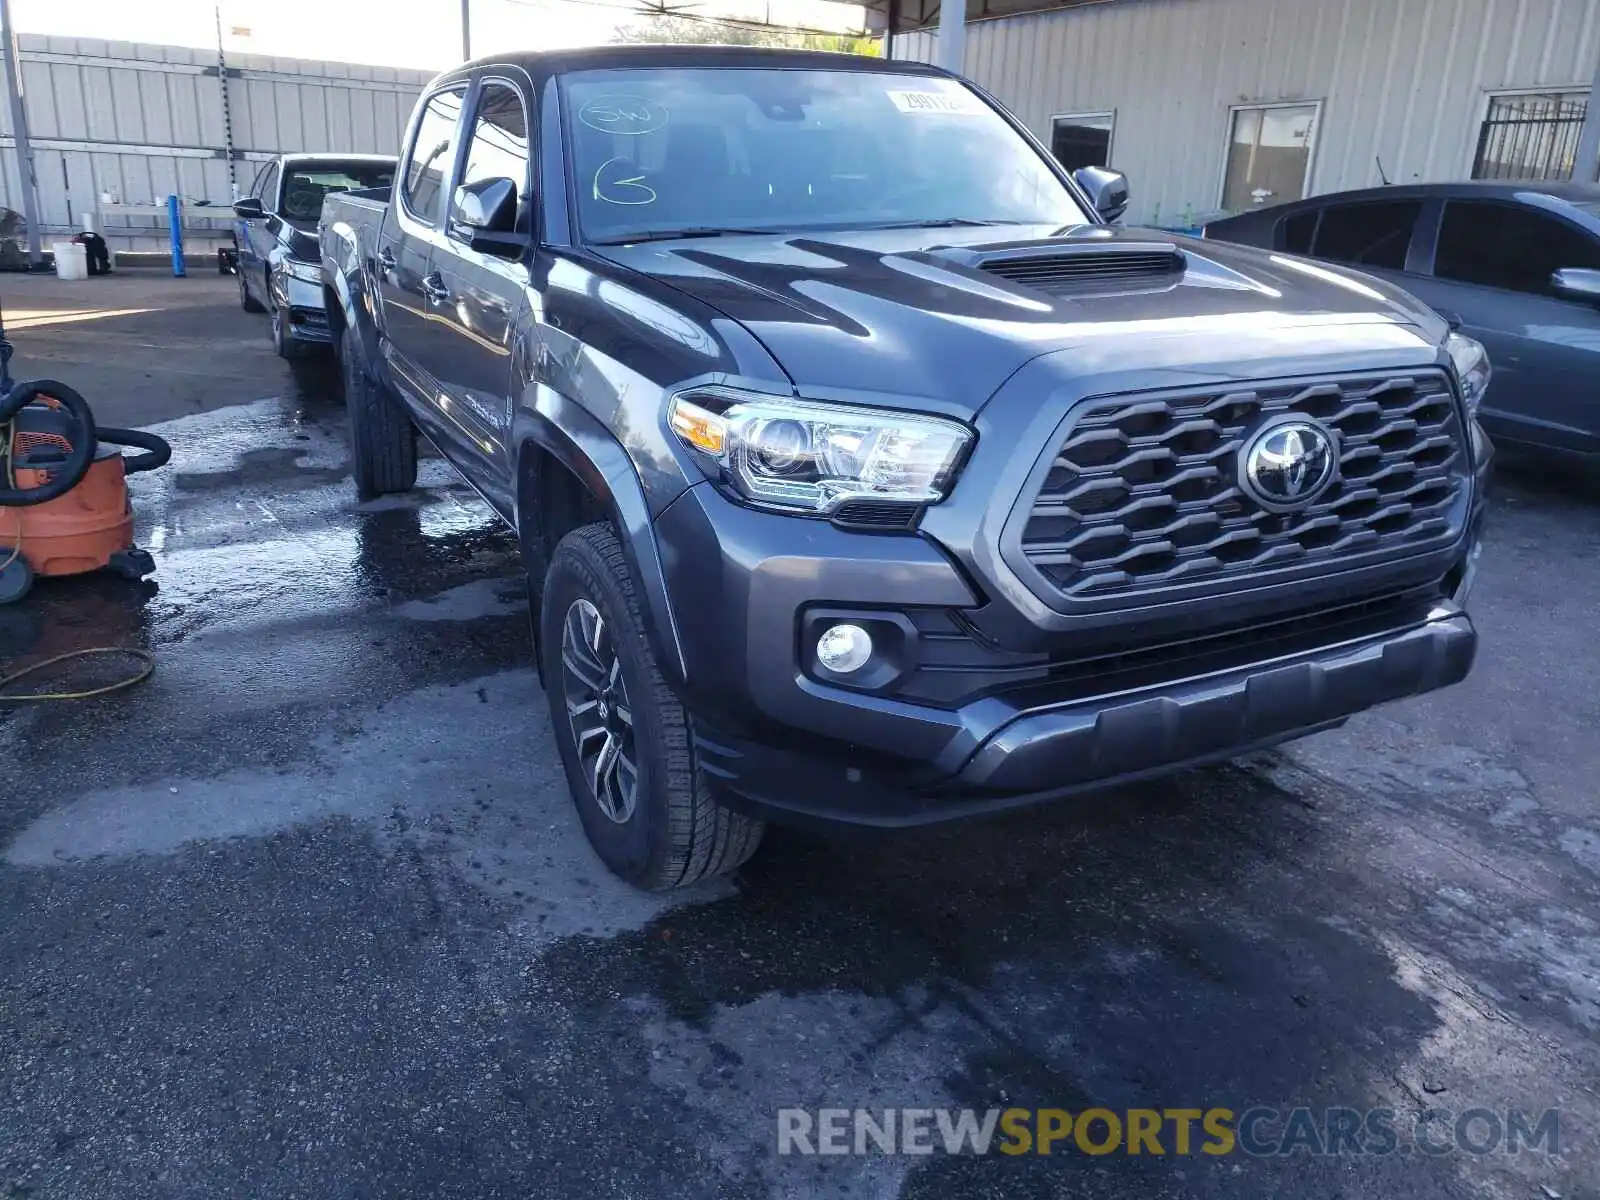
865,470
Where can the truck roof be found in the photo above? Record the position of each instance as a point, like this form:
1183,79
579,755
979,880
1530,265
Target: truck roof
544,63
334,156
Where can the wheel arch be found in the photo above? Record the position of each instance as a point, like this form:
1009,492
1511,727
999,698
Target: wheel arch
571,471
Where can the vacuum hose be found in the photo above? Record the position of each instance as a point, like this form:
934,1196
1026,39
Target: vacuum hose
70,473
157,453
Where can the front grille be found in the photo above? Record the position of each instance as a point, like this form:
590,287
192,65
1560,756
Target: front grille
1144,492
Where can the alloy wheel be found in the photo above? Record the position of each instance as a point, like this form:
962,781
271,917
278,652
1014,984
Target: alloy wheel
599,710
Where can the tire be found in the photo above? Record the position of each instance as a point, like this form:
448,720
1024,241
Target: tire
284,344
675,833
246,301
383,442
16,575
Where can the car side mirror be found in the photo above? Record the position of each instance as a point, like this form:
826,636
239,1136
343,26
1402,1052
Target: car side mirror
1108,191
483,214
1577,283
249,209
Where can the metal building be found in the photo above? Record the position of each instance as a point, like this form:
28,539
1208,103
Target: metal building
1212,105
138,123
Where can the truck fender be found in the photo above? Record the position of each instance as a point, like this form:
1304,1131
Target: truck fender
579,442
343,273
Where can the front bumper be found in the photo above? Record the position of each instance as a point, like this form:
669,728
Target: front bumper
777,740
303,304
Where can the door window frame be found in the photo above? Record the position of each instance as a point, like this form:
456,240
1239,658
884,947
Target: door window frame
1106,114
1262,105
269,197
409,220
468,127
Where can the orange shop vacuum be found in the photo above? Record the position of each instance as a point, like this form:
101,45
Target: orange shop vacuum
64,507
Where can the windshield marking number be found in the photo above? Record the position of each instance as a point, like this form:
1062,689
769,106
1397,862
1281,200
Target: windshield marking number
637,190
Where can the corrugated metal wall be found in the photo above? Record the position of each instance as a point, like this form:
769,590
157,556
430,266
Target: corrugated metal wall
143,122
1406,81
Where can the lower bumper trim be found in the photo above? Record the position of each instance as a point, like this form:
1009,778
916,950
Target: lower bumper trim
1101,742
1192,719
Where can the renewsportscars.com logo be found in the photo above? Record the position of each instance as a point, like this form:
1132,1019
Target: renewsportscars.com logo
1258,1132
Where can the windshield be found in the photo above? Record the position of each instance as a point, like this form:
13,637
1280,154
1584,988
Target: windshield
659,150
305,187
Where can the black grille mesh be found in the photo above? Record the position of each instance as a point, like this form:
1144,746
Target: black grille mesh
1144,491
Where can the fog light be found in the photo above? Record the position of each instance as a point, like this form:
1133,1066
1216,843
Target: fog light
843,649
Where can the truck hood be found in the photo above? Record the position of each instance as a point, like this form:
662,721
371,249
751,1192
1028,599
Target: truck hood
904,314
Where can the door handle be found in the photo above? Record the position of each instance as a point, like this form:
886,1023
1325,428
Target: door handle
434,289
386,259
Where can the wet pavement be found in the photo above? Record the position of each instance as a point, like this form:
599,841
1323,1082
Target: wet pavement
309,914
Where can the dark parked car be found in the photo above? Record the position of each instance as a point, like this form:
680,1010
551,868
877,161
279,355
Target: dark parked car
1517,265
863,473
279,262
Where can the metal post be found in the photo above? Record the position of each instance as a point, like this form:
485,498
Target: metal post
1586,163
227,112
19,127
175,221
891,17
952,34
466,30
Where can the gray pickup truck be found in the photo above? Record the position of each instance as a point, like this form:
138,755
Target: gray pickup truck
864,471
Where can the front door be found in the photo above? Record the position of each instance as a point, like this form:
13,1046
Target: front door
1492,268
477,296
406,243
254,238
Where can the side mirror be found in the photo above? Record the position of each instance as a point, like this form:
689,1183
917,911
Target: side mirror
484,216
249,208
1577,283
1108,191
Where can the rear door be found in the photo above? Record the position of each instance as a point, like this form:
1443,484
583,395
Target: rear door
476,297
406,242
1491,267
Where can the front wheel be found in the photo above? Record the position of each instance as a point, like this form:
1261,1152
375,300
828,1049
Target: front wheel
623,736
284,343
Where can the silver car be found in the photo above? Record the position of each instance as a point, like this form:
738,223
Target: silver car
279,259
1515,264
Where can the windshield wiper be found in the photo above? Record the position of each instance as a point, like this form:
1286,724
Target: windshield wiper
663,235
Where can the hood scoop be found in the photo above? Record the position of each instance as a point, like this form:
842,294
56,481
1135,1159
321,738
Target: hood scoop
1072,264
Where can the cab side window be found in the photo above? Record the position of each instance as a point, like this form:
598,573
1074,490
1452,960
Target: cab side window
498,148
1372,234
428,163
1295,233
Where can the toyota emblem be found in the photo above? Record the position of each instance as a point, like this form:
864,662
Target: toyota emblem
1289,463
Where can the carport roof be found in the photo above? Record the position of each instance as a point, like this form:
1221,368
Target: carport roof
906,15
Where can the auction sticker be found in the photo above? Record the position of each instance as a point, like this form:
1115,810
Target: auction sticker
958,102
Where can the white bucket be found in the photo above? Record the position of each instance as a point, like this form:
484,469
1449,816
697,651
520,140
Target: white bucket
72,260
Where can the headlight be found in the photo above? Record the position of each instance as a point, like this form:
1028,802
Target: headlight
303,271
809,457
1471,362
